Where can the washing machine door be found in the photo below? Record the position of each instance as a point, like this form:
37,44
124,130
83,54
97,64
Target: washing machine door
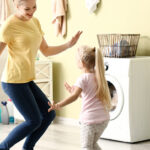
117,97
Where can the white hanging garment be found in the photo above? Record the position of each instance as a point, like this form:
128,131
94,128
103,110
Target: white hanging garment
4,10
91,4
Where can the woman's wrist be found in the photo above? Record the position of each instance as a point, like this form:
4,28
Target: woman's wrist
68,45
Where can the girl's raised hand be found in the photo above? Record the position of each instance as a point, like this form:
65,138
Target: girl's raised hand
68,87
53,106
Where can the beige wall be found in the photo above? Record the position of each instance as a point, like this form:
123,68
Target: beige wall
112,16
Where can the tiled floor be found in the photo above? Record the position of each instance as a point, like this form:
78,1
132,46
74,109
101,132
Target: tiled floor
65,137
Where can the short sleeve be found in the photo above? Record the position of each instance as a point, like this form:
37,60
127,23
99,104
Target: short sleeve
4,36
80,82
39,26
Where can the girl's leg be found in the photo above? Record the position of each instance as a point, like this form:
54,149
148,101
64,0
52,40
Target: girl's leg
90,135
87,137
99,128
47,118
25,102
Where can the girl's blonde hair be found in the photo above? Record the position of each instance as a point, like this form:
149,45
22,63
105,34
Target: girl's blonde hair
19,1
92,59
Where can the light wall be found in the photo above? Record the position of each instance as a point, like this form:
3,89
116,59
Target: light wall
112,16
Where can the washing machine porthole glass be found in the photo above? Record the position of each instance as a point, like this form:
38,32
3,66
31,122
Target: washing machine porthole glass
117,97
114,96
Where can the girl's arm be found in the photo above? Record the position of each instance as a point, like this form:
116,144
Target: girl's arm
70,88
2,47
76,93
53,50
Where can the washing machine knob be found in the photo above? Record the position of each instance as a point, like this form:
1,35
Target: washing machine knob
106,66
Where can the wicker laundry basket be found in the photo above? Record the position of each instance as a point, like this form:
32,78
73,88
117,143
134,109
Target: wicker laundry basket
118,45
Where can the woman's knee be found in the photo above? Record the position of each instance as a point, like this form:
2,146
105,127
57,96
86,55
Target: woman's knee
50,116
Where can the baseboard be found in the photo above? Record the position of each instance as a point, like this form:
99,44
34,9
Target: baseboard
60,120
18,121
66,121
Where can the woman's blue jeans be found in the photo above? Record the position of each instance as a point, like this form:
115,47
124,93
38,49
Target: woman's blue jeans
32,103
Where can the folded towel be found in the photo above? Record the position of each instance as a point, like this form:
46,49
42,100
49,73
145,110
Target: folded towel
59,10
4,10
91,4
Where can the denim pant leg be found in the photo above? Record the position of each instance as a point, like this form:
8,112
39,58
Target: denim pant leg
25,102
47,118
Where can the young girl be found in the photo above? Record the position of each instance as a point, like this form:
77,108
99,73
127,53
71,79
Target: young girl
93,88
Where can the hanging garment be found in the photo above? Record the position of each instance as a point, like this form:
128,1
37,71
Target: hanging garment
91,4
59,10
4,10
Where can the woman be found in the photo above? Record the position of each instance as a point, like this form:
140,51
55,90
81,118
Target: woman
22,34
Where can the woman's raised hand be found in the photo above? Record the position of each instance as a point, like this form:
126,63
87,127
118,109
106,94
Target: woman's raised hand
74,39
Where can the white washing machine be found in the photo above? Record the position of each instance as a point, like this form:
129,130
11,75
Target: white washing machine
129,84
